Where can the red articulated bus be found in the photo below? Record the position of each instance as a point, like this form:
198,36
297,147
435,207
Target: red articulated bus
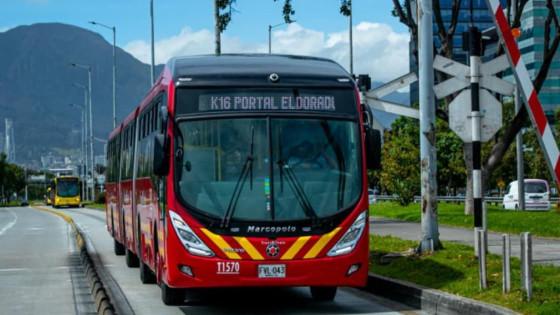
244,170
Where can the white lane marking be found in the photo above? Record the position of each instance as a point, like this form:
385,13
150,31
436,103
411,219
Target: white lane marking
10,224
35,229
13,269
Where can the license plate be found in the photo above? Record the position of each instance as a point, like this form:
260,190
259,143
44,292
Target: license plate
272,271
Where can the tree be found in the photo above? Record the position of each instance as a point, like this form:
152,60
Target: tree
505,137
401,170
222,17
287,11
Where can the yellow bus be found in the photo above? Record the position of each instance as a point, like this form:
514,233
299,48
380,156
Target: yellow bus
65,192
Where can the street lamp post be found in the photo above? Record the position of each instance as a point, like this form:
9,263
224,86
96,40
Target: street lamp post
85,135
152,69
83,146
92,163
351,40
270,28
114,29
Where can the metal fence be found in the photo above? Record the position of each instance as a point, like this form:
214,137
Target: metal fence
456,199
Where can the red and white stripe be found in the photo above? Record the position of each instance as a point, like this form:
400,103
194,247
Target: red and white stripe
536,112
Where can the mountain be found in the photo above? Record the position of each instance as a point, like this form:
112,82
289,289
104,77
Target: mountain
36,86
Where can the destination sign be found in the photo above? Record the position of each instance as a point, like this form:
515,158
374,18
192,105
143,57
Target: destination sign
193,101
266,103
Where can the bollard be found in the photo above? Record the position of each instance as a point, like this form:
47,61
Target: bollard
482,258
506,265
526,264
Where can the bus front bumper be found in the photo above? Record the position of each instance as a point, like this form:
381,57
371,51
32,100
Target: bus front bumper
187,271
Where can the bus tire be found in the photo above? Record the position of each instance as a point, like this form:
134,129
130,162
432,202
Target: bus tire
146,274
324,294
172,296
130,258
118,248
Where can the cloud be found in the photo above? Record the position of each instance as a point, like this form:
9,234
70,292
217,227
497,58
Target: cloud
378,49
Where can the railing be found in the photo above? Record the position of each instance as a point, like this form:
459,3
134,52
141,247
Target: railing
456,199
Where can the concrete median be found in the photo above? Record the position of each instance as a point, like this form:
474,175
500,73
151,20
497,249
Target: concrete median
99,294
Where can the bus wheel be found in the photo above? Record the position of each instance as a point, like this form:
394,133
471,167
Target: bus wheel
147,276
323,293
130,258
172,296
118,248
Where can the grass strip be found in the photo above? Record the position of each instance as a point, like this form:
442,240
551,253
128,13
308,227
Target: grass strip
540,223
455,270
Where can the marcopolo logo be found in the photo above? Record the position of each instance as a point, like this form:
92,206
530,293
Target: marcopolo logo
271,229
272,249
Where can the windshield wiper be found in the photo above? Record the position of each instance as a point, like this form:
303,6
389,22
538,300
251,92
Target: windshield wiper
246,171
340,161
298,190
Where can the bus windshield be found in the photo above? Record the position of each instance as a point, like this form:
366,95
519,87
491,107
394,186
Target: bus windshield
269,168
67,188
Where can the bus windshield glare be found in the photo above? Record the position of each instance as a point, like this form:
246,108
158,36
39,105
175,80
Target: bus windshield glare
67,188
270,168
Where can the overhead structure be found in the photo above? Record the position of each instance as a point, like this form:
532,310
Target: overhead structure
528,92
375,101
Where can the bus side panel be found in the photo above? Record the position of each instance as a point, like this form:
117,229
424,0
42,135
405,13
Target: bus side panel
111,208
147,208
127,213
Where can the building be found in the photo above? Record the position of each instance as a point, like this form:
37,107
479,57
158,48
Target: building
482,19
531,43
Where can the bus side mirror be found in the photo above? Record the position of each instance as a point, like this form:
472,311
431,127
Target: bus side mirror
373,149
160,161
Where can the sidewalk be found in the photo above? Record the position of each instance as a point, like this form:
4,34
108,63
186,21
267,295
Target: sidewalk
545,251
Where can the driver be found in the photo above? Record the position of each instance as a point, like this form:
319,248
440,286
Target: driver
308,155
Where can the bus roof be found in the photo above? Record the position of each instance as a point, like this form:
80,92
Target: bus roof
215,67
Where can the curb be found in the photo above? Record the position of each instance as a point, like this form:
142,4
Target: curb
98,293
429,300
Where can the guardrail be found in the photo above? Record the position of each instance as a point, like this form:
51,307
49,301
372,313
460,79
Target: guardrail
457,199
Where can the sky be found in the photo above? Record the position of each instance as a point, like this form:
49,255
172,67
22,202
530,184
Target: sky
185,27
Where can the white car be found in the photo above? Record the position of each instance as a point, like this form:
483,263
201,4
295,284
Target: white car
537,195
371,196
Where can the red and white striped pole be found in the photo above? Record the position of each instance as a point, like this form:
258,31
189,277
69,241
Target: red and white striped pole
534,107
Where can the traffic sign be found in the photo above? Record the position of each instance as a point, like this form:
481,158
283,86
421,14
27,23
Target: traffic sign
461,77
460,120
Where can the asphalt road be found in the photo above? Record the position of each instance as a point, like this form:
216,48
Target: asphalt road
40,271
545,251
145,299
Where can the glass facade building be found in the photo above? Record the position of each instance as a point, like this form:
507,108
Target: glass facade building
531,44
481,18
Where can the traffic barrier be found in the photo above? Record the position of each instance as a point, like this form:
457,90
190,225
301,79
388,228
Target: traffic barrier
101,298
430,301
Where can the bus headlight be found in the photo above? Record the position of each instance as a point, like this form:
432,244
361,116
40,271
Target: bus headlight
349,240
190,240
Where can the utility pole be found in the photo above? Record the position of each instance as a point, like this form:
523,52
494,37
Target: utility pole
519,141
152,69
114,29
475,50
430,231
270,28
217,35
269,39
351,39
85,139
